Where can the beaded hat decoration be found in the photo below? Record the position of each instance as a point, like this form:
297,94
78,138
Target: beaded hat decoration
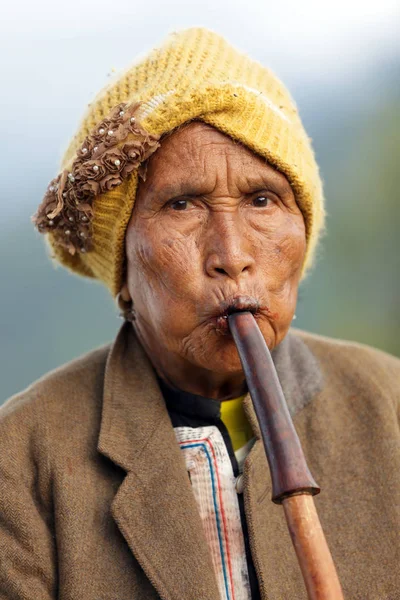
103,161
195,74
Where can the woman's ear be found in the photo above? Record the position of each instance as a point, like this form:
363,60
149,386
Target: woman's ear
125,304
124,293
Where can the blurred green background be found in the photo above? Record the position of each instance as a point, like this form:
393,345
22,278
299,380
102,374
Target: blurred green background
48,316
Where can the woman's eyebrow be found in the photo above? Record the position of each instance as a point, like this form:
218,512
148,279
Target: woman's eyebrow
270,182
175,190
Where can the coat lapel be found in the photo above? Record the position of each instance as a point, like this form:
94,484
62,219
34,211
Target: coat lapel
154,508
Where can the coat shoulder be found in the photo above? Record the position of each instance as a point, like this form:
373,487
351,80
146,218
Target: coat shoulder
61,394
52,423
354,362
335,347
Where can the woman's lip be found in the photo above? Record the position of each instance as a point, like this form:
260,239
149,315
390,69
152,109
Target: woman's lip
232,305
238,304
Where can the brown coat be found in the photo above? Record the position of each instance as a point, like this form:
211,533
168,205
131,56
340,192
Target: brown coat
95,502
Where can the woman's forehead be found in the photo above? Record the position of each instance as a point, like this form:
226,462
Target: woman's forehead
198,153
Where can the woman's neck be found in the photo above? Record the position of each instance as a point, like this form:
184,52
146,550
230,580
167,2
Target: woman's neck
203,382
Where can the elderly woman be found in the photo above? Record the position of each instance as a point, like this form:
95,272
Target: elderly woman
137,471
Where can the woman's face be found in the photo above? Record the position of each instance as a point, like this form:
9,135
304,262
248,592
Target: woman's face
214,226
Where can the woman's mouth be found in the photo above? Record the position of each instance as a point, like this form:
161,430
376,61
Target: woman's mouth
237,304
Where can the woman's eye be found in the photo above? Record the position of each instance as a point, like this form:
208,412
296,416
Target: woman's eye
261,201
180,204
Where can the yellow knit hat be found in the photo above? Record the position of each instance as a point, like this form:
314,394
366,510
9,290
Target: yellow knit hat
195,74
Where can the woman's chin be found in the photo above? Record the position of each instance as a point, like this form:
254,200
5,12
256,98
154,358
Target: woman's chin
214,349
217,354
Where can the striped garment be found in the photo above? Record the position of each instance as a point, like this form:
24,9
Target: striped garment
213,482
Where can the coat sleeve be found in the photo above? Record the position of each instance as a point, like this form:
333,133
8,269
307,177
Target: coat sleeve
28,565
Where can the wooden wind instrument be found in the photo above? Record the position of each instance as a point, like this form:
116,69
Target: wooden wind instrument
292,483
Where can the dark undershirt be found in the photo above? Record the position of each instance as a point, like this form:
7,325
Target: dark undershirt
190,410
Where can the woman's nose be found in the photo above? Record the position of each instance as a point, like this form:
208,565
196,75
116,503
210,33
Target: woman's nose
228,251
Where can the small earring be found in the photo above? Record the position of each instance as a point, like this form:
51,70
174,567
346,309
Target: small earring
294,317
126,308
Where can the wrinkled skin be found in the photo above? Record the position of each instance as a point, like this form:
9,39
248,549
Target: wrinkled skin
212,222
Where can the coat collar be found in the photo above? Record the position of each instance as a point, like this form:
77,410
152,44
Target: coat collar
154,507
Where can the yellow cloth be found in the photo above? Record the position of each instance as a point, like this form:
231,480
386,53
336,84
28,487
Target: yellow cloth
235,420
195,74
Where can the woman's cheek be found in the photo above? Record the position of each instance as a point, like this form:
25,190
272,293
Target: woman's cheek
293,248
167,263
286,246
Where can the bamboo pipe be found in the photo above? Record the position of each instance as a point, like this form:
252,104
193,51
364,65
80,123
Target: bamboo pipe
292,483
